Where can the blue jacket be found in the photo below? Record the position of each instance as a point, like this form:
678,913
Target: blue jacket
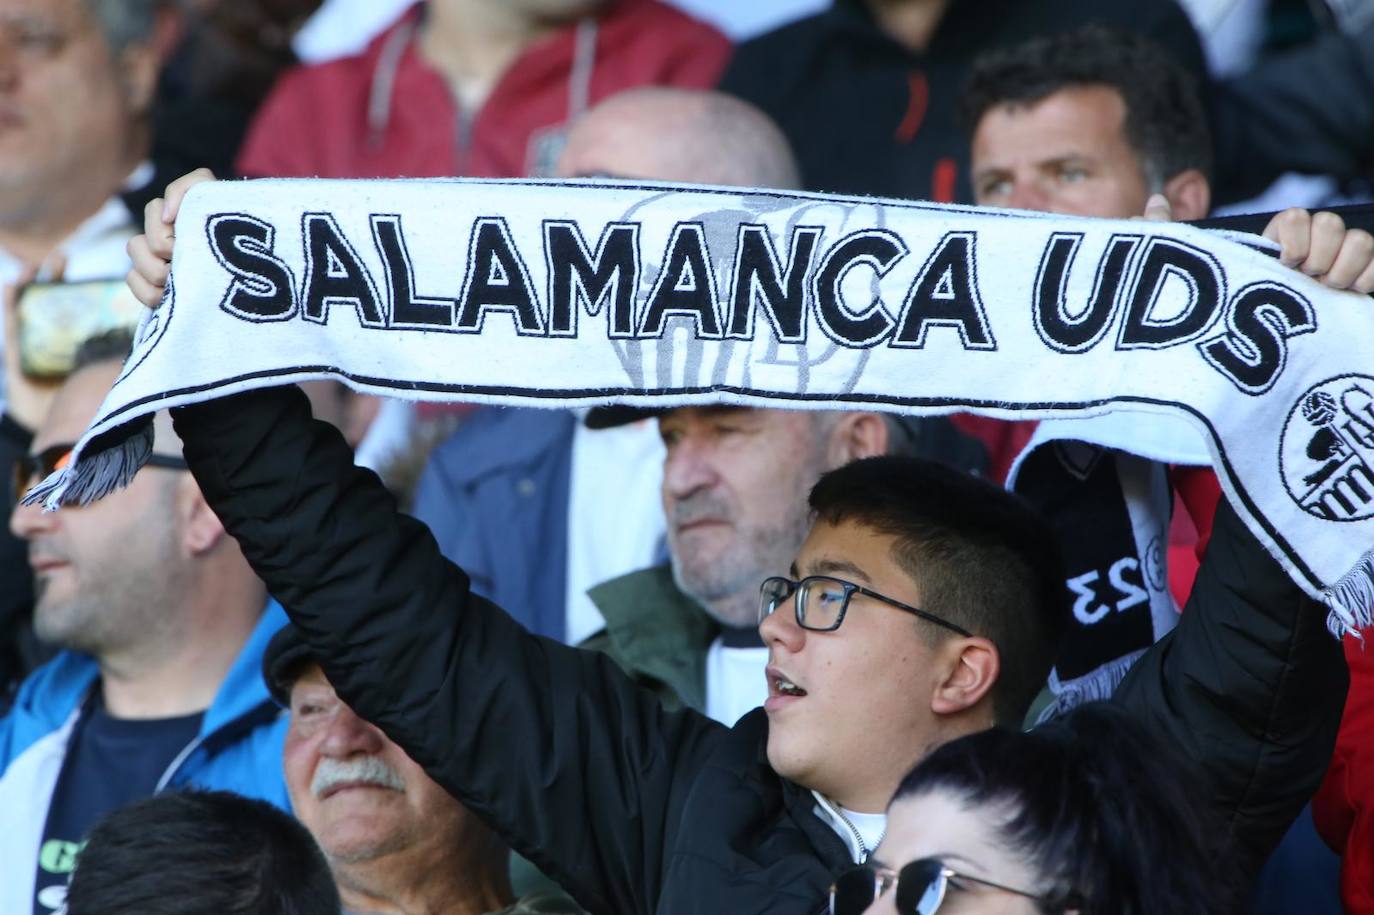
495,496
239,748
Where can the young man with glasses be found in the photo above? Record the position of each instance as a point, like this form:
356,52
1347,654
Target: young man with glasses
162,626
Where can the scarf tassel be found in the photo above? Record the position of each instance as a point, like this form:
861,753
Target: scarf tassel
106,463
1351,600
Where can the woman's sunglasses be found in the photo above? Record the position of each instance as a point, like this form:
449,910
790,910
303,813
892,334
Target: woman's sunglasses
921,887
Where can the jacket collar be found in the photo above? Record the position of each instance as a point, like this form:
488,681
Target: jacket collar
668,644
676,624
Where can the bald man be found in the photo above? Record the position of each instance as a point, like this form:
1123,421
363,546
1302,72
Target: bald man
533,505
679,135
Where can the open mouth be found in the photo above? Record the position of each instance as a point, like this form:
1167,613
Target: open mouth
780,685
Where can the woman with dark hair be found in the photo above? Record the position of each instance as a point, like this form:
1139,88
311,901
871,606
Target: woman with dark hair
1088,814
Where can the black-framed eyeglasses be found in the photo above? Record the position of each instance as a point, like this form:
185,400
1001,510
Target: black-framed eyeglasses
822,602
31,469
921,888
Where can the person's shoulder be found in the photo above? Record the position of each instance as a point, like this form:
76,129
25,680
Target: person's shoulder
311,80
788,37
659,19
55,689
766,68
652,42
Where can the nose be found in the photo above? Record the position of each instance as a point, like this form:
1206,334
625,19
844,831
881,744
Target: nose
780,627
1027,195
348,735
687,469
29,521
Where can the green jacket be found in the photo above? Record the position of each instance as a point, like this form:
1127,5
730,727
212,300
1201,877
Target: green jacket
656,634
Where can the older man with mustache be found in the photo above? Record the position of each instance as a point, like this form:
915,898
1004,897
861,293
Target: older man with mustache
395,841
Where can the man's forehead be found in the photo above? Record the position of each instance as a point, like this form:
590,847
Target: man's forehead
75,405
845,549
710,412
1060,122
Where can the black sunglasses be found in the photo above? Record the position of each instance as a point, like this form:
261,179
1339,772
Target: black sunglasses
921,888
31,469
822,601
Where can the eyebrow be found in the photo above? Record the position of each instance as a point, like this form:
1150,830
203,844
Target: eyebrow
826,566
954,856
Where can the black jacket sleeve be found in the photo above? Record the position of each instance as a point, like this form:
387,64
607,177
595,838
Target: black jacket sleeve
1250,685
554,747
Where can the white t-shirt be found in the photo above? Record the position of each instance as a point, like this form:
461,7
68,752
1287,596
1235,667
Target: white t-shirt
870,827
735,681
615,515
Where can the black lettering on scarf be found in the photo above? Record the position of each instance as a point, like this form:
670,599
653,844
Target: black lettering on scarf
760,278
1165,257
1062,331
577,275
945,293
497,280
335,275
685,286
408,309
879,249
263,288
1254,350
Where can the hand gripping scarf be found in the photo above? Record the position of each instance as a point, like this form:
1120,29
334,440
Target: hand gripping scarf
568,294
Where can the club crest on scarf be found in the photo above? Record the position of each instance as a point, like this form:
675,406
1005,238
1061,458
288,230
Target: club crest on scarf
1327,450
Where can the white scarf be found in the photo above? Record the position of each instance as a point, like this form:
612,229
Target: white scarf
569,294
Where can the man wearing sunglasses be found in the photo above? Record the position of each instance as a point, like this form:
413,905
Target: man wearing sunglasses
162,626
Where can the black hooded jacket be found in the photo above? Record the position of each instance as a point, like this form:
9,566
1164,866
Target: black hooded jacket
635,809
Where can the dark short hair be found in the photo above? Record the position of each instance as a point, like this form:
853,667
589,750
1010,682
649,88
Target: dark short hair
980,556
1111,818
1165,120
201,853
108,346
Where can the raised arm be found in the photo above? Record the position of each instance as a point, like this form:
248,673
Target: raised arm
1250,684
553,746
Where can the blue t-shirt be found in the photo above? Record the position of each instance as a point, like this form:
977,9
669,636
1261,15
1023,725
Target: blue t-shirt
109,762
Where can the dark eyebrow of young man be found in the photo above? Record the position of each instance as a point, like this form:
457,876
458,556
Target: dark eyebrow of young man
832,567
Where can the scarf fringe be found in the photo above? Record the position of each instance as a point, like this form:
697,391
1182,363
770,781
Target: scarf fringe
100,470
1351,600
1097,686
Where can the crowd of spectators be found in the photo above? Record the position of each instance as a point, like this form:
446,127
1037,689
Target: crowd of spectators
551,703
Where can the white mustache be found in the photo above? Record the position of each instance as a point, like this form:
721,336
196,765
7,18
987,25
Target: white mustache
370,770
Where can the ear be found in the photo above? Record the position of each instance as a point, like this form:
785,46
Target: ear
1189,195
201,529
140,63
973,668
855,436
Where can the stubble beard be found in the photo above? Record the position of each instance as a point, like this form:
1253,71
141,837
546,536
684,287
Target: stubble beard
727,586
